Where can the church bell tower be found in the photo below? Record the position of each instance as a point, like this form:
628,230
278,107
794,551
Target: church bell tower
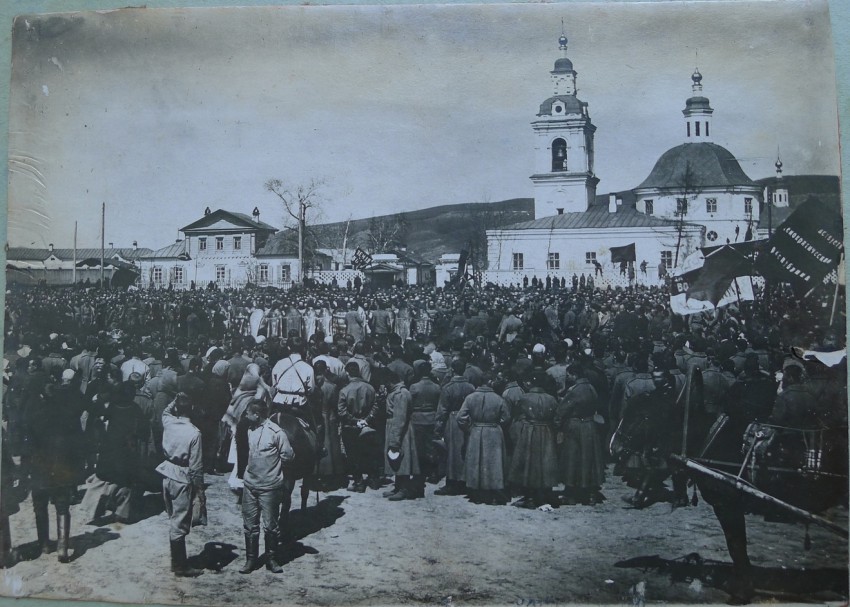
564,181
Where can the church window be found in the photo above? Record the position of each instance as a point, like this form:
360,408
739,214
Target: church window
264,272
554,261
202,244
237,243
559,155
696,128
681,206
157,275
688,124
518,262
220,273
706,128
710,205
219,243
285,273
589,257
748,206
667,258
712,235
649,207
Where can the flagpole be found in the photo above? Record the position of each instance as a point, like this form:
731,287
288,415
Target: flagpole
74,269
102,239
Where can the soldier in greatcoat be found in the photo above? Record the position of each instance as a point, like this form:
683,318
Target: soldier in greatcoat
400,443
484,416
446,428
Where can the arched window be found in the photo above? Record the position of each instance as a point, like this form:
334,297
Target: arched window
559,155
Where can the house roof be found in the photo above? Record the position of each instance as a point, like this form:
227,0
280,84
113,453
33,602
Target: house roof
696,165
597,216
279,245
175,250
28,254
239,220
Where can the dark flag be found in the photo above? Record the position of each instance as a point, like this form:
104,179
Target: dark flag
721,266
621,254
361,259
805,247
460,276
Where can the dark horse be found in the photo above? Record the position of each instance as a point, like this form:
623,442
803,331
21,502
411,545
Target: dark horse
739,465
303,439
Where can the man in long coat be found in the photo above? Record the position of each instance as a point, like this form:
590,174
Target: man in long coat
483,416
445,427
400,444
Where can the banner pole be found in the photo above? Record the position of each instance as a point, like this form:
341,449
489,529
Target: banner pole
835,293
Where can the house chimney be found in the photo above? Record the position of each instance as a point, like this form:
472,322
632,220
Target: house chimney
50,247
207,211
135,245
110,245
256,214
612,203
561,211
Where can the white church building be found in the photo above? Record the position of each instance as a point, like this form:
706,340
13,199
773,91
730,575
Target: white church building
696,195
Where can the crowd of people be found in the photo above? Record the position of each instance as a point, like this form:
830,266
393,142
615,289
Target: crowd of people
498,394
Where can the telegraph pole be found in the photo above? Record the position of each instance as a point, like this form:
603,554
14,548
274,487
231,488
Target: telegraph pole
102,240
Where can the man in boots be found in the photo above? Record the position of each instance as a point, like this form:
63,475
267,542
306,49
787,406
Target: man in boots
183,470
268,450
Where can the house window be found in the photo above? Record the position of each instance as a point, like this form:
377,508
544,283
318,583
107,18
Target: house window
710,205
220,273
518,262
554,261
590,257
157,275
559,155
649,207
285,273
219,243
264,272
748,206
202,244
237,243
178,275
681,206
667,258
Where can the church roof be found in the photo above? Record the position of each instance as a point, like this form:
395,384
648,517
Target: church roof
697,103
597,217
696,165
572,105
563,65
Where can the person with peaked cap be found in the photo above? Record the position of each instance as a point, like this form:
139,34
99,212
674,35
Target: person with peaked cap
53,455
268,450
452,395
483,416
183,477
401,457
330,469
581,459
533,466
357,409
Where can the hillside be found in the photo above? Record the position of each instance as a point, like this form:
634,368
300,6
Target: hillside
436,230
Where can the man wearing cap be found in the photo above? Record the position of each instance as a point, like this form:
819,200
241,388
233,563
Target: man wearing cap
357,409
293,379
402,458
183,472
445,427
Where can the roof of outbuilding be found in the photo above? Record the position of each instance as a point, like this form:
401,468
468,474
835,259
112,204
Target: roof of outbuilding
28,254
172,251
696,165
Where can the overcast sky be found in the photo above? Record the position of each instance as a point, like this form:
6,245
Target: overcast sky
160,113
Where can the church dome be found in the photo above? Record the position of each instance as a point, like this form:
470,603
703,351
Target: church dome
697,103
563,65
695,166
571,105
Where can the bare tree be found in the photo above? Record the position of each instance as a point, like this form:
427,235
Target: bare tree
302,204
386,232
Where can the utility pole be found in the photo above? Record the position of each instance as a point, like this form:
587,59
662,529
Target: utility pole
74,269
102,240
302,214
